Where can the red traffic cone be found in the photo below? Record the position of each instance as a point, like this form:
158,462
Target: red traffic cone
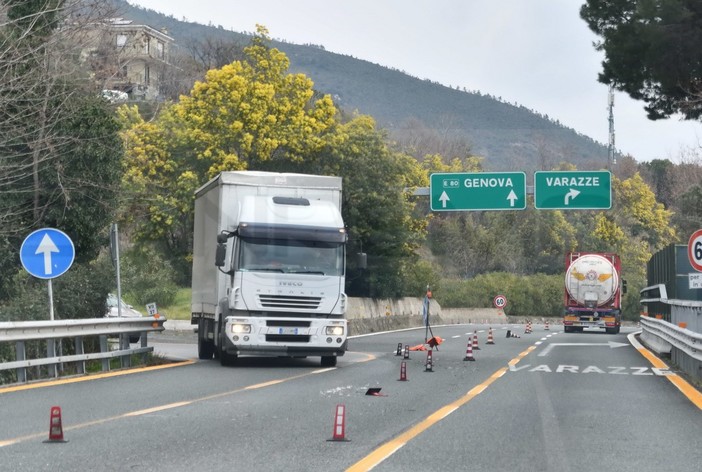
475,341
403,371
339,424
490,339
429,366
55,426
469,353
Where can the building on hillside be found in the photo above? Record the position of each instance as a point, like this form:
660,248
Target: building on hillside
128,58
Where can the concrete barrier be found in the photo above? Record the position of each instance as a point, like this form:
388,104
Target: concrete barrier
370,315
366,315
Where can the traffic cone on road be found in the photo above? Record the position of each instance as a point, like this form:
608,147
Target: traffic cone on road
527,330
399,349
469,353
339,433
475,341
403,371
429,367
55,426
490,339
546,325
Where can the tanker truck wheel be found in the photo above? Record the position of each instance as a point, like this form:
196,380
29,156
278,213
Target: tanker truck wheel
329,361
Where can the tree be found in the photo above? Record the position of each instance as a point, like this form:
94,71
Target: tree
653,52
245,115
377,206
59,144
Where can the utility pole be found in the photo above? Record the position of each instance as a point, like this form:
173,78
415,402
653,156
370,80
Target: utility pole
611,157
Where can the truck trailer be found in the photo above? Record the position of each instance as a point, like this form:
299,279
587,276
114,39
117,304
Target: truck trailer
593,292
269,267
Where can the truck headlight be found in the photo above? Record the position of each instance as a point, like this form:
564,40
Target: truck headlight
241,328
335,331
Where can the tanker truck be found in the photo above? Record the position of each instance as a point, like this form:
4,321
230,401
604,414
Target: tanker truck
593,292
269,267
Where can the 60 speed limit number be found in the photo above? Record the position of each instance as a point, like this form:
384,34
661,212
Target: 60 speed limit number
499,301
694,250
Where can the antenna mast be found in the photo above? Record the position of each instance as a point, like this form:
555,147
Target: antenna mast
611,158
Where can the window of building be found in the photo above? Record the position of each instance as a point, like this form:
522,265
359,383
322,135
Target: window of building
159,49
146,75
121,40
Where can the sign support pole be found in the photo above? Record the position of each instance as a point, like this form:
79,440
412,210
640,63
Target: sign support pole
114,247
51,300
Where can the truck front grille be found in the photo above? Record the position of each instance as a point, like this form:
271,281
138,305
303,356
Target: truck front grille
289,302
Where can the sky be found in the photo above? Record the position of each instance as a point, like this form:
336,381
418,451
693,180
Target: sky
536,53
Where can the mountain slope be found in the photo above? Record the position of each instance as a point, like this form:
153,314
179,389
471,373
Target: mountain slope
509,137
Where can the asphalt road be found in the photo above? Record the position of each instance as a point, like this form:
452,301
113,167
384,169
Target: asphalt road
547,401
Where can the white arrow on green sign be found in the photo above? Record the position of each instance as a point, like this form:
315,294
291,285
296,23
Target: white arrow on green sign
576,190
478,191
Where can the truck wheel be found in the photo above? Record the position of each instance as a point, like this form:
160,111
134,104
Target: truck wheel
205,349
567,329
329,361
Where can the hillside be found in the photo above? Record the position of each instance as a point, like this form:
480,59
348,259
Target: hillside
510,137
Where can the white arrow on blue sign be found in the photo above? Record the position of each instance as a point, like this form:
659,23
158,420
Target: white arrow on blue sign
47,253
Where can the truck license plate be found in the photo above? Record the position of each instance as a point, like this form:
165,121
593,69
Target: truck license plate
287,331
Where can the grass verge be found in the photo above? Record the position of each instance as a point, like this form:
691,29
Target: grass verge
180,308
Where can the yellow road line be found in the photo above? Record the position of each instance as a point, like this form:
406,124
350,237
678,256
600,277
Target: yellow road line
392,446
688,390
52,383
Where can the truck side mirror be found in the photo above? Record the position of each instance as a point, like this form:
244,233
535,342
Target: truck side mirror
362,260
220,253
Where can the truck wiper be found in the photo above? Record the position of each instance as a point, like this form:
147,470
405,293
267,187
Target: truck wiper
306,272
265,269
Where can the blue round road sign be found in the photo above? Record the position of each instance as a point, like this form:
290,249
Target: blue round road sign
47,253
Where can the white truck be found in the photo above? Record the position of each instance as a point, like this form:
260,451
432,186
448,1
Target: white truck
269,267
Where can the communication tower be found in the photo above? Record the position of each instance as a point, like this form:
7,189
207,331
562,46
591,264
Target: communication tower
611,157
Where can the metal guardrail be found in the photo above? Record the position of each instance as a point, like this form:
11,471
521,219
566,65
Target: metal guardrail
667,335
56,333
673,327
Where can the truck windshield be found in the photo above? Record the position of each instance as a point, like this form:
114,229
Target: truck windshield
291,256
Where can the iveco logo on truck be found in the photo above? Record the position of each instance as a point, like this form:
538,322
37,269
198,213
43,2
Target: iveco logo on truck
290,284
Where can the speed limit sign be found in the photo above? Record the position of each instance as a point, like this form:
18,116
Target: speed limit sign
694,250
500,301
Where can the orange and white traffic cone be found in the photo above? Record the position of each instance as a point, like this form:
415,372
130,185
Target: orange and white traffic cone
403,371
490,339
339,433
475,341
527,330
55,426
469,353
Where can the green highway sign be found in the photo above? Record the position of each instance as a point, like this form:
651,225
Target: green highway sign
478,191
576,190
